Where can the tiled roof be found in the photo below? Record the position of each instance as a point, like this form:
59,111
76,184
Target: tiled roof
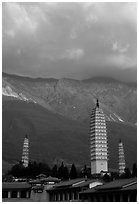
37,188
15,185
69,183
42,180
50,179
117,183
85,183
92,190
121,184
131,187
36,181
41,175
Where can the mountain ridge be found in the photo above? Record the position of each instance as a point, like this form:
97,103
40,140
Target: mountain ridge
56,114
74,98
95,78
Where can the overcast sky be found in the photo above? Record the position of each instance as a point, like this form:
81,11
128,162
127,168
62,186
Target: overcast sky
76,40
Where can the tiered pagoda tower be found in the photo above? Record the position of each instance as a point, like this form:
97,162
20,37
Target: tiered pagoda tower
25,153
98,141
121,157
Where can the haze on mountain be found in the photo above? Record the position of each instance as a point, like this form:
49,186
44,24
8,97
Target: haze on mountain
72,40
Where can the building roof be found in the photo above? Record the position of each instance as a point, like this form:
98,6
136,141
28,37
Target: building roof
120,184
85,183
41,175
36,181
50,179
15,185
131,187
74,183
42,180
69,183
92,190
37,188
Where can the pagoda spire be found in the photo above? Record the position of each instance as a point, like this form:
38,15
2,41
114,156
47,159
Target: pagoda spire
97,104
26,136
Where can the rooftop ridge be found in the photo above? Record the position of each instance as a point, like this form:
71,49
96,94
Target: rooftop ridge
79,182
129,184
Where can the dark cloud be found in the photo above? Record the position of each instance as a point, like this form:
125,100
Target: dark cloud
70,39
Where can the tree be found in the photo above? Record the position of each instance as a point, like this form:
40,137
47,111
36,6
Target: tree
106,178
65,173
114,175
134,170
61,171
33,169
18,170
84,171
127,173
54,171
44,168
73,172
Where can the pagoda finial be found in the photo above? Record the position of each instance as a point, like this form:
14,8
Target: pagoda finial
120,140
97,104
26,136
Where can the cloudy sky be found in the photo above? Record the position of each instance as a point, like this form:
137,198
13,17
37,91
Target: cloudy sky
76,40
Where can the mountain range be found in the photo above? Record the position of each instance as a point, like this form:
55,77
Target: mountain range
55,114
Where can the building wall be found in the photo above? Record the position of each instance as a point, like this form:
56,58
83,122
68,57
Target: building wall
15,193
65,195
111,196
39,196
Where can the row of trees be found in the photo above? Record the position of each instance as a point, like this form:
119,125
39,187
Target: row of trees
128,173
34,169
62,171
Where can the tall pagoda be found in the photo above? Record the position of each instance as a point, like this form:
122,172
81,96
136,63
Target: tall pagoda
98,141
25,153
121,157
